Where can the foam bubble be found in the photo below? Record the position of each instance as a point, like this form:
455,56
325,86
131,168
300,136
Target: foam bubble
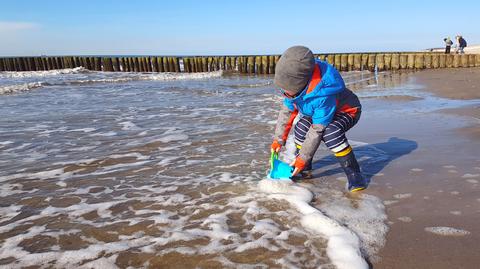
470,175
447,231
405,219
402,195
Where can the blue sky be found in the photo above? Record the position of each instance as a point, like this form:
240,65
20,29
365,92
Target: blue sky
30,27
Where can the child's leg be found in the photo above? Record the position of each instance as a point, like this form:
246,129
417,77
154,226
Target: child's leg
335,139
300,131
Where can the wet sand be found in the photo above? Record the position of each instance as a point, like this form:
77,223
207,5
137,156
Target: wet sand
432,177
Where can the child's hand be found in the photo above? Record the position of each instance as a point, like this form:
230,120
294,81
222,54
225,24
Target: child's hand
299,165
276,146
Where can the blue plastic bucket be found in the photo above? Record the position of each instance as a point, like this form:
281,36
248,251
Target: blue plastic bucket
280,170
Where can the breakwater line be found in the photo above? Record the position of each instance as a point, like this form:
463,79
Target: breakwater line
253,64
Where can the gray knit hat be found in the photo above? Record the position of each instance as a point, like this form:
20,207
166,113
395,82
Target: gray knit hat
294,69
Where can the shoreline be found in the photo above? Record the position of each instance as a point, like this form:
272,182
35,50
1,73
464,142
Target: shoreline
436,184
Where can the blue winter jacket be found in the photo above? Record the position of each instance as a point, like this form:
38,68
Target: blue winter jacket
321,103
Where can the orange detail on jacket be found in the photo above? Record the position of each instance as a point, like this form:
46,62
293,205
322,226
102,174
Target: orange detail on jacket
316,78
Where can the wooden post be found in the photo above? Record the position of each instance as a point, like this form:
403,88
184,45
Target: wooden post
403,61
2,67
98,63
395,65
258,65
387,59
380,60
265,68
471,60
130,64
449,60
442,58
435,60
330,59
464,60
344,62
456,60
322,57
371,62
148,64
199,64
411,61
176,64
428,60
107,64
52,64
209,64
477,60
357,62
350,61
204,64
419,61
251,65
240,63
271,64
160,64
338,61
364,65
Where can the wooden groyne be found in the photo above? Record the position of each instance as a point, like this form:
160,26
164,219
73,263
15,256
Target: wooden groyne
253,64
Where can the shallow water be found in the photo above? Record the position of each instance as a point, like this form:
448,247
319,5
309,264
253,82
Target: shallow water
161,170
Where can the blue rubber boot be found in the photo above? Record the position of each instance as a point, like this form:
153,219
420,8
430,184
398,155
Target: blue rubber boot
356,182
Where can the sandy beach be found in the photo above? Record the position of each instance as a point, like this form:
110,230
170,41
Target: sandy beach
436,184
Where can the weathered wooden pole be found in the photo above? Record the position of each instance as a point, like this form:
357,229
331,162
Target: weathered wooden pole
160,64
186,65
449,60
265,67
271,64
251,65
107,64
471,60
477,60
380,61
435,60
357,62
419,61
464,60
338,61
395,62
410,61
258,64
428,60
330,59
364,64
442,61
371,62
343,62
456,60
204,64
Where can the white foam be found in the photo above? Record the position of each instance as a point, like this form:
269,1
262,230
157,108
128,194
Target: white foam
416,169
16,88
343,247
405,219
402,195
173,138
470,175
447,231
56,72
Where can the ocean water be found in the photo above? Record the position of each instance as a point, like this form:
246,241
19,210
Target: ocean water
117,170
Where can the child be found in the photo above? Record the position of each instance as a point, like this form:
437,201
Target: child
328,109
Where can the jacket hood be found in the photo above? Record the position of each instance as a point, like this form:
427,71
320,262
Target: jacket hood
331,83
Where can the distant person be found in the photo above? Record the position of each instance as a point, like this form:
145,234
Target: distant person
448,44
461,44
316,90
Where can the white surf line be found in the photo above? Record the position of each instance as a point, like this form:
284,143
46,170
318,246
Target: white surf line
343,247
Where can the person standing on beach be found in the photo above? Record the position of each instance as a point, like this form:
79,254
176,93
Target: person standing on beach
315,90
448,44
461,44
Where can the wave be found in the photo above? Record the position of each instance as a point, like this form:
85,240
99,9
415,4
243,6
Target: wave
15,88
30,74
91,77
